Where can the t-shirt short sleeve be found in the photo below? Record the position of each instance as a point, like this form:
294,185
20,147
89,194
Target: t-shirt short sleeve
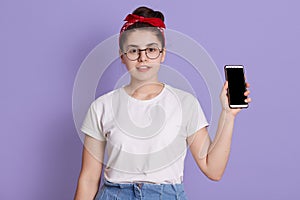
196,119
92,124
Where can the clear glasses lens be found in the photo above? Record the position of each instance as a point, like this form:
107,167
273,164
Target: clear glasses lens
134,53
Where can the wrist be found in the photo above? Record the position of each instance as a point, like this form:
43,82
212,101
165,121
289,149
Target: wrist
229,114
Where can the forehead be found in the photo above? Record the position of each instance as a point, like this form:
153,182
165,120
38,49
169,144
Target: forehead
141,38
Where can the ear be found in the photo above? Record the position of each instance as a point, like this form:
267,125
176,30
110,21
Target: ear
121,56
163,55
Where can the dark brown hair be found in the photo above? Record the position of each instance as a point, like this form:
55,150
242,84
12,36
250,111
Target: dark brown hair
149,13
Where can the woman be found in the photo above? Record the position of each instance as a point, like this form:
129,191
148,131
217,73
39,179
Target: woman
146,126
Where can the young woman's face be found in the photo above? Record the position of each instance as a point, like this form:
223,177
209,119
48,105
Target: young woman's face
143,68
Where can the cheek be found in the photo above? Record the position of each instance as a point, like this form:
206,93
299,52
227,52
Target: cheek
129,66
126,62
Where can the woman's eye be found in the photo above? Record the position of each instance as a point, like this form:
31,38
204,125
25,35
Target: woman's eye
152,49
132,51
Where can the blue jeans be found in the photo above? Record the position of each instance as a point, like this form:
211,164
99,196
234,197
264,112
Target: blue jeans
140,191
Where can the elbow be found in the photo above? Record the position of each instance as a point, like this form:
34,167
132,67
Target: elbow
215,176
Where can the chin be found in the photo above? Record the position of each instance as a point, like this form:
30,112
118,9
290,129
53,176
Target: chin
147,78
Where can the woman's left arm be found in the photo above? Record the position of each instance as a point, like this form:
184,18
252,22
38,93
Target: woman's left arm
212,157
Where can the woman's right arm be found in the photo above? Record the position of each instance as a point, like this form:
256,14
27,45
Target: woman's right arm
89,178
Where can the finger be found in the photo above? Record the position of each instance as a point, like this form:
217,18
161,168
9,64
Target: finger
225,85
247,92
247,85
248,100
225,88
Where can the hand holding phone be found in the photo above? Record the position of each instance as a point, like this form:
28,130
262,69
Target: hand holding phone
236,86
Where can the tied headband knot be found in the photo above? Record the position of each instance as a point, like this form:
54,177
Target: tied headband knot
132,19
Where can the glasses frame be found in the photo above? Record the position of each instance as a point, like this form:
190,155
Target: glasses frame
139,52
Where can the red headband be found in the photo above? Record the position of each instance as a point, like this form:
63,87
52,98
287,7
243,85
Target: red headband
132,19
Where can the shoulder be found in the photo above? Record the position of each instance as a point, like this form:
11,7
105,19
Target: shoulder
105,98
183,95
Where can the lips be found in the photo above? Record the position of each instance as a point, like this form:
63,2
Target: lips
143,68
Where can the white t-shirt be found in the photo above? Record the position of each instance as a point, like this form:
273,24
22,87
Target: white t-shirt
145,139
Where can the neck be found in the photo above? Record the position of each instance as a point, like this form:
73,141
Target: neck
144,87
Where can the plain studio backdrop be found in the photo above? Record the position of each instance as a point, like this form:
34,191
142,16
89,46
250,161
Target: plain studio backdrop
43,44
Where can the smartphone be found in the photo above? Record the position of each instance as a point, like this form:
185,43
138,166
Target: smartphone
236,86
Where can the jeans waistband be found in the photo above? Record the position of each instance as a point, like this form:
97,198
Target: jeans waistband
139,190
143,185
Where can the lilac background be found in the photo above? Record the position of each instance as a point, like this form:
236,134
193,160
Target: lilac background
44,42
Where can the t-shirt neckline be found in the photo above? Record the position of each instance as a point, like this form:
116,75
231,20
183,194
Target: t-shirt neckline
147,100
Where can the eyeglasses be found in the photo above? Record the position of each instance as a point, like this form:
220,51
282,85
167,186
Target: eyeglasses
151,52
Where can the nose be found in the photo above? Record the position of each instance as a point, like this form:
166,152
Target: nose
143,56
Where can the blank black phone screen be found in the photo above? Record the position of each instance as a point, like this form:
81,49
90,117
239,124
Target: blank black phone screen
236,86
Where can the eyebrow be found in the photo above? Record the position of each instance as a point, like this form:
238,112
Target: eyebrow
147,45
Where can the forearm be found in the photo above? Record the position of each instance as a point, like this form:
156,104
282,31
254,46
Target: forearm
219,149
86,189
